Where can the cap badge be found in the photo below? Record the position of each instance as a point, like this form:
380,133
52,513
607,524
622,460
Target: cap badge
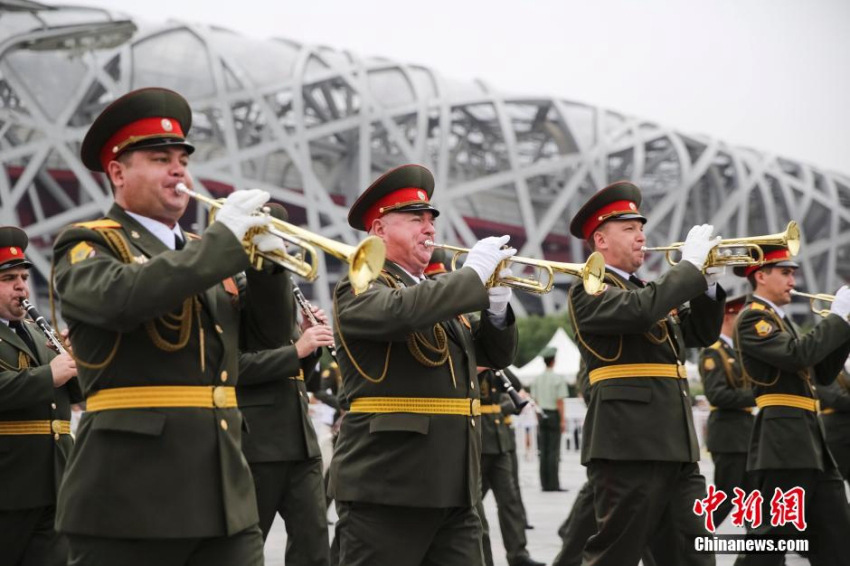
632,206
421,195
13,250
166,125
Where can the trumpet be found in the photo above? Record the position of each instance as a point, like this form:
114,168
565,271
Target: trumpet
722,253
813,298
365,260
591,272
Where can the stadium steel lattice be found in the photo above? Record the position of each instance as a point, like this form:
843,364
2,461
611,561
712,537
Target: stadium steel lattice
314,125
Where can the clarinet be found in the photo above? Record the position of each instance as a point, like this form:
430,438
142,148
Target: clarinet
44,325
306,308
519,402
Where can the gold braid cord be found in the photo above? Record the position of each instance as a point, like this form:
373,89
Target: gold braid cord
23,363
746,378
726,360
415,342
577,332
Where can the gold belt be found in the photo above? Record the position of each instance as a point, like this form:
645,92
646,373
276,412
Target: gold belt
419,405
487,409
17,428
145,397
638,370
786,400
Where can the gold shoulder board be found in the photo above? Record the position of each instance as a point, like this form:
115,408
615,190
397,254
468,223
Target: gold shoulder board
102,224
757,306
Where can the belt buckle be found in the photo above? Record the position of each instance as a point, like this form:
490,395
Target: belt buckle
56,426
681,371
219,397
474,407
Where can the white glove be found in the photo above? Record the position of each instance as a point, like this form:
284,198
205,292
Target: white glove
237,211
268,243
713,275
500,296
486,255
841,304
697,245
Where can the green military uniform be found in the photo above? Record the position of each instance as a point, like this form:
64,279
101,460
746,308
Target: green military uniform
281,444
497,441
835,414
639,443
35,440
405,467
508,422
788,447
730,422
547,390
158,475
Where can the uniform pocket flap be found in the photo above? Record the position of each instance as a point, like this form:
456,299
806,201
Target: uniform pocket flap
138,421
400,422
626,393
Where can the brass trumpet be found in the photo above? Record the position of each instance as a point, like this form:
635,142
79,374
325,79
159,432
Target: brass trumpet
813,298
591,272
790,238
365,260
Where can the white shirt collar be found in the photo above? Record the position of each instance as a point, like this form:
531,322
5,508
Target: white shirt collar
728,340
778,310
620,272
162,232
415,278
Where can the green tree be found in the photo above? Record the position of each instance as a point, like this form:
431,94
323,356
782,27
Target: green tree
535,331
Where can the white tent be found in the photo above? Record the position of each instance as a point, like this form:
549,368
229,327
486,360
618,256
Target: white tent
566,360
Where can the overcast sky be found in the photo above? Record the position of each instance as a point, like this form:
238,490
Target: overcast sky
768,74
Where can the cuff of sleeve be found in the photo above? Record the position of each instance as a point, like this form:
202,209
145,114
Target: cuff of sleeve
499,320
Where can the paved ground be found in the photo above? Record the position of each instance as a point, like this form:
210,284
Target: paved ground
546,512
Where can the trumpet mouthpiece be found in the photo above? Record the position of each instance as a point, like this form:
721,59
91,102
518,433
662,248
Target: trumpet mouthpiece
429,243
181,188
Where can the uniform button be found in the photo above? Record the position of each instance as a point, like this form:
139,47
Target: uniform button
684,393
472,421
219,397
219,329
223,424
224,376
497,421
472,385
53,406
56,437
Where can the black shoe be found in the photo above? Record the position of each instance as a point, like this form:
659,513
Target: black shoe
527,561
529,527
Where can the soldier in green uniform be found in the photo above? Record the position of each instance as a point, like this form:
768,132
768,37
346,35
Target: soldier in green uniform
497,472
639,444
406,469
508,412
788,448
281,444
731,420
549,391
156,322
37,387
835,413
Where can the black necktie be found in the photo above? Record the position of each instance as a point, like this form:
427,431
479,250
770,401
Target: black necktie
636,281
19,329
178,242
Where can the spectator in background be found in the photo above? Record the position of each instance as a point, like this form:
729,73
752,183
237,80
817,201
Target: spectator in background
549,391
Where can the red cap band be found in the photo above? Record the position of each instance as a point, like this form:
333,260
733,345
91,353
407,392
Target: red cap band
154,127
393,200
10,253
436,268
774,256
610,210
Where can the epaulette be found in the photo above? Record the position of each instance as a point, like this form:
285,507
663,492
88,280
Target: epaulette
716,346
757,307
102,224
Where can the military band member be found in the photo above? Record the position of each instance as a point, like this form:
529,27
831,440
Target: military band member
156,322
549,391
731,420
281,445
497,472
788,448
639,445
835,413
37,387
406,470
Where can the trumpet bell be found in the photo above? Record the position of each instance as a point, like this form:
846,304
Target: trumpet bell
366,262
